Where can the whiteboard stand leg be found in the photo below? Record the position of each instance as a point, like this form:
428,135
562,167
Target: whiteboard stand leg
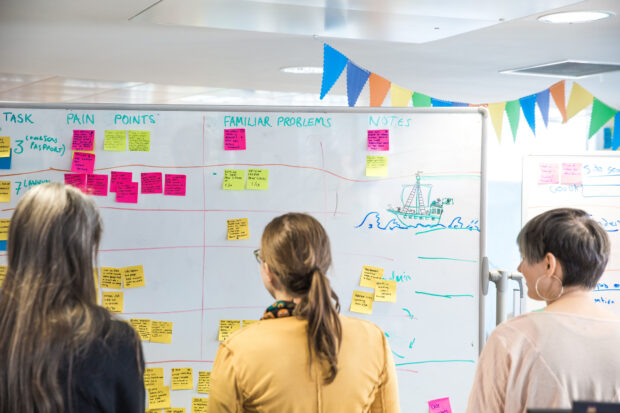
500,278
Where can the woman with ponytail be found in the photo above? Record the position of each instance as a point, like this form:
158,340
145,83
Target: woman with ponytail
303,356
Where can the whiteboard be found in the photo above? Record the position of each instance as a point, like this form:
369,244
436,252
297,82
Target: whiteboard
595,188
316,162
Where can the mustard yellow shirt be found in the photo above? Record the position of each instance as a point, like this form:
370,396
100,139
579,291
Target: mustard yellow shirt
264,368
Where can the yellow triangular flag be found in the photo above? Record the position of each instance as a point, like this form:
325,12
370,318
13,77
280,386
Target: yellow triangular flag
496,110
579,100
400,96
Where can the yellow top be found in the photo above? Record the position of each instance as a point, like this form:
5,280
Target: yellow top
264,368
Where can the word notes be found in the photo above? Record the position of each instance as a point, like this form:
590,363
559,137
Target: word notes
113,301
376,165
83,162
159,397
234,180
370,276
200,404
548,174
5,191
139,140
127,192
379,140
161,331
175,185
111,278
4,229
234,139
77,180
133,276
204,381
362,302
5,146
151,182
571,174
258,179
3,269
143,327
439,406
153,377
227,327
182,378
83,140
237,229
117,177
385,291
97,184
115,140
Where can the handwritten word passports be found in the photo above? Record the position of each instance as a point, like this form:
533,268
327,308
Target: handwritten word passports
83,140
151,183
117,177
83,162
127,192
113,301
385,290
4,229
227,327
161,331
5,146
439,406
77,180
237,229
182,378
5,191
159,397
204,381
175,185
376,165
143,327
139,140
258,179
379,140
234,180
154,377
234,139
362,302
549,173
571,174
370,275
115,140
200,404
3,269
97,184
111,278
134,276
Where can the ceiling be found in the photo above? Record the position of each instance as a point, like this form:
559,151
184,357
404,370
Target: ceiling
231,51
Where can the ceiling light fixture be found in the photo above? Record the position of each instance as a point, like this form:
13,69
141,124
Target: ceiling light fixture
575,16
303,70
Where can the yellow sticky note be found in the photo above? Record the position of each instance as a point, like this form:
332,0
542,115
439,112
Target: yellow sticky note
248,322
159,397
142,326
376,165
258,179
362,302
238,229
133,276
175,410
370,275
5,146
227,327
182,378
200,404
234,179
3,269
153,377
111,278
204,381
4,229
152,410
113,301
115,140
385,290
161,331
139,140
5,191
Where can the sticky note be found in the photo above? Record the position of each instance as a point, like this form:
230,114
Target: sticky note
204,381
4,229
370,275
237,229
200,404
139,140
127,192
159,397
376,165
151,183
97,184
234,179
175,185
362,302
227,327
111,278
83,162
152,410
133,276
549,174
5,191
258,179
115,140
83,140
174,410
117,177
143,327
182,378
439,406
5,163
571,174
113,301
248,322
161,331
379,140
77,180
153,377
385,290
5,146
234,139
3,269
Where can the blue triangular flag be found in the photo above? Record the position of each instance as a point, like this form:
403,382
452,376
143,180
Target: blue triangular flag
542,98
459,104
615,143
607,138
333,65
356,79
440,103
528,105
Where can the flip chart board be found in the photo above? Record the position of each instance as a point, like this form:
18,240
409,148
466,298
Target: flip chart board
192,226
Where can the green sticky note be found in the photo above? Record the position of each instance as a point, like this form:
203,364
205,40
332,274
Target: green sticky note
115,140
139,141
376,165
258,179
234,179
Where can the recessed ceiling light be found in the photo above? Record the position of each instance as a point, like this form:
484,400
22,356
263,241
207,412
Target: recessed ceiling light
575,16
303,70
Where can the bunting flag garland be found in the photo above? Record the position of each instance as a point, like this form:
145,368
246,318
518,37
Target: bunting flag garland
496,111
356,79
528,105
420,100
378,89
437,103
542,99
512,111
615,142
578,100
601,113
400,96
333,65
557,92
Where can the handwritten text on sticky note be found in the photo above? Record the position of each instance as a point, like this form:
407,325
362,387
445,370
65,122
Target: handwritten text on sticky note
227,327
127,192
182,378
439,406
370,275
5,146
139,140
175,185
3,270
258,179
151,183
362,302
237,229
111,278
133,276
83,140
4,229
117,177
76,180
97,184
5,191
113,301
143,327
376,165
83,162
204,381
549,174
571,174
154,377
234,139
200,404
161,331
159,397
234,180
385,290
379,140
115,140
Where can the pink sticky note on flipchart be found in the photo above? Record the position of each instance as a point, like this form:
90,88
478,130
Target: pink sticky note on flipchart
379,140
571,174
175,185
234,139
97,184
151,183
77,180
118,177
83,162
127,192
439,406
549,174
83,140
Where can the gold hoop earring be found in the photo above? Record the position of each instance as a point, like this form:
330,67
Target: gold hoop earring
542,296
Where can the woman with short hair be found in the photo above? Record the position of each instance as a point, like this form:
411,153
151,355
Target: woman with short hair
570,350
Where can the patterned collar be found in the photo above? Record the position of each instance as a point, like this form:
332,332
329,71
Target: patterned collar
279,309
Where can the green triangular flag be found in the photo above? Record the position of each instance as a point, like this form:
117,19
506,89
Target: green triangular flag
601,113
513,111
420,100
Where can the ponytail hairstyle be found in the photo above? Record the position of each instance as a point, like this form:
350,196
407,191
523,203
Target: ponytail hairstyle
296,249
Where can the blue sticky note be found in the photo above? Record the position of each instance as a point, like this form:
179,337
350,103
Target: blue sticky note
5,163
2,245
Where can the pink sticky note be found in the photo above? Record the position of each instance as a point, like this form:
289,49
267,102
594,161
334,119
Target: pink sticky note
571,174
175,185
118,177
379,140
127,192
151,182
77,180
234,139
97,184
83,140
439,406
549,174
83,162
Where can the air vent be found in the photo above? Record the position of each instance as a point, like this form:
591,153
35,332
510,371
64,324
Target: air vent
568,68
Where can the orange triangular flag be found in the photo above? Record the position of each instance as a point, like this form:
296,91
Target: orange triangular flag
579,99
400,96
496,111
378,89
557,92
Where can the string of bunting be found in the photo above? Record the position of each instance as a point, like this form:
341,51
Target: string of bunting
335,62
